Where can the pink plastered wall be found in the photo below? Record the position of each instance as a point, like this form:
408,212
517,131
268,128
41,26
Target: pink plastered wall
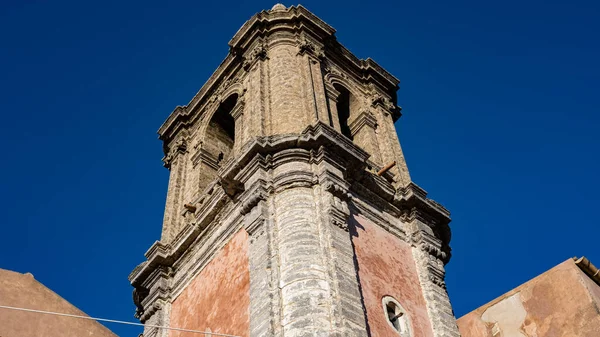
219,296
386,267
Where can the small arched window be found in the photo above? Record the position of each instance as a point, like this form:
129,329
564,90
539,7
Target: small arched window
396,316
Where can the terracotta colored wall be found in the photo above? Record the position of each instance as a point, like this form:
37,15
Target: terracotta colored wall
22,290
387,268
559,303
219,297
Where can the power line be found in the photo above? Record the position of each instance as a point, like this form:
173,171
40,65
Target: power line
114,321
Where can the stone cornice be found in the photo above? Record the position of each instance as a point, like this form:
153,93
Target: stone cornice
312,138
408,202
263,23
405,199
365,118
179,147
205,157
280,149
161,254
379,217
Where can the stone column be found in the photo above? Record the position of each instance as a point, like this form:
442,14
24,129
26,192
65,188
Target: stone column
303,280
347,311
363,133
317,278
429,257
176,162
388,139
240,129
257,99
311,54
305,290
157,304
318,89
263,264
332,96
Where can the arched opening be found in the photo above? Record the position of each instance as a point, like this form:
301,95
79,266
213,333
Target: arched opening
346,106
217,142
220,134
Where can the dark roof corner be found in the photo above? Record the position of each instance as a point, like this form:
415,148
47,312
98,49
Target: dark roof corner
588,268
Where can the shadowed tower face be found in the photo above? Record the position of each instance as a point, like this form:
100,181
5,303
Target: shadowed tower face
290,210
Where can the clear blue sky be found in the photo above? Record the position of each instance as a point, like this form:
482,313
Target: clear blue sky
500,125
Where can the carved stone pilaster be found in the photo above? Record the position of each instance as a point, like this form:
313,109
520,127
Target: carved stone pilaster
202,156
347,310
308,47
176,161
386,112
337,206
258,53
315,84
238,115
429,257
378,100
153,299
179,147
263,264
363,129
332,100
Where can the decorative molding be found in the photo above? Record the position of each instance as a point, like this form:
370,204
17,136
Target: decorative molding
205,157
259,53
364,119
238,109
378,99
428,243
379,217
179,147
253,196
308,47
339,213
139,294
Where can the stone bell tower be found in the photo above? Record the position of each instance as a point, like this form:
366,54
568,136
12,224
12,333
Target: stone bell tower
290,210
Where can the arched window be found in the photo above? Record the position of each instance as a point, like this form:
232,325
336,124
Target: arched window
346,106
220,134
396,316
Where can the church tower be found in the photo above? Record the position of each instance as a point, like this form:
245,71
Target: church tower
290,210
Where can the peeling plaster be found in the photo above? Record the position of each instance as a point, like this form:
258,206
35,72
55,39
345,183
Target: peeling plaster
506,317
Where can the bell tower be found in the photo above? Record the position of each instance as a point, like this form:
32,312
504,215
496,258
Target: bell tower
290,210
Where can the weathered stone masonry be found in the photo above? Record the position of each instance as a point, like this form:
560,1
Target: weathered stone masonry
284,147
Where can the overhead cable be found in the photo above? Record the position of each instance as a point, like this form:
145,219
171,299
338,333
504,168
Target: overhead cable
115,321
